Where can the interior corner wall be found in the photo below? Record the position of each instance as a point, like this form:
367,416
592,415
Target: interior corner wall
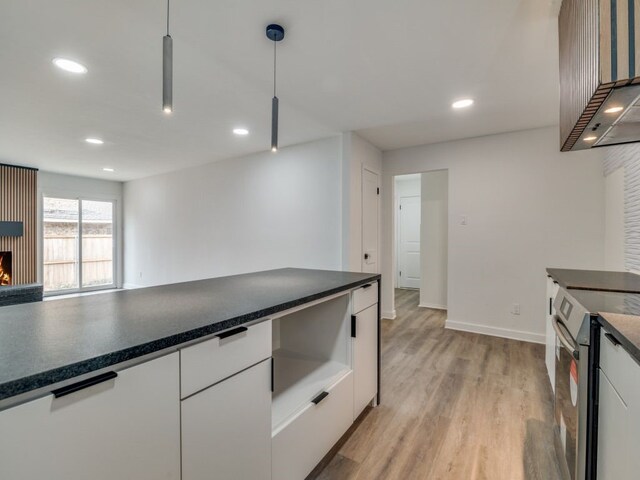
528,207
357,154
434,239
239,215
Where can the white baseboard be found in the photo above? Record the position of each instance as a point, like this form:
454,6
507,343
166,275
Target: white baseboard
435,306
130,286
496,331
389,315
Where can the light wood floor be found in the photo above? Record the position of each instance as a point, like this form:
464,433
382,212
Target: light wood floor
455,406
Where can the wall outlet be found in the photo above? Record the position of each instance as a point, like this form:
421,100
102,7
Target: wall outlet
140,275
515,310
464,220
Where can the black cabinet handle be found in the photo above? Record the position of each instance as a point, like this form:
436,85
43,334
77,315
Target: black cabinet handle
550,306
366,286
320,397
612,339
273,384
232,332
89,382
354,320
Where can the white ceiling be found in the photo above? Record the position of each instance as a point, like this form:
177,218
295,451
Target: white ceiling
387,69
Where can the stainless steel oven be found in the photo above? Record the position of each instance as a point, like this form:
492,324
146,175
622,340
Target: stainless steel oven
572,325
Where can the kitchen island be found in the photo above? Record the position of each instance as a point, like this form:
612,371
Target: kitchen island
177,381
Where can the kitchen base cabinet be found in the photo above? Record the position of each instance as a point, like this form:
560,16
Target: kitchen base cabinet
226,429
126,428
365,358
618,412
300,444
550,342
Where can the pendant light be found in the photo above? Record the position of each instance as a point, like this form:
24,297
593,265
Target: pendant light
275,33
167,69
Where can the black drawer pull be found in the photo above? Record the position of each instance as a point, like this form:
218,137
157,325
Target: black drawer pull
367,285
320,397
612,339
89,382
232,332
354,320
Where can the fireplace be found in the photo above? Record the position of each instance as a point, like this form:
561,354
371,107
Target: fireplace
5,268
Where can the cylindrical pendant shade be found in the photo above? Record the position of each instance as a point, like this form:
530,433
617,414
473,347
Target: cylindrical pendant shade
274,124
167,74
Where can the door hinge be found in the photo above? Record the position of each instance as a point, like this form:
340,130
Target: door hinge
400,207
400,273
378,190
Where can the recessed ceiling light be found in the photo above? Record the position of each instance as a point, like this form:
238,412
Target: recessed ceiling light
464,103
95,141
69,65
614,110
167,110
108,169
241,131
590,138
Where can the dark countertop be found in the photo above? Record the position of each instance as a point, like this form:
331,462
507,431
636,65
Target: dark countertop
596,280
625,329
45,343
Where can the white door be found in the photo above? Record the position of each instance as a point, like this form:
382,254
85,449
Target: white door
409,242
370,191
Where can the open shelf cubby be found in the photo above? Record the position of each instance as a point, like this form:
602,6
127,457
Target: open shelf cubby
311,351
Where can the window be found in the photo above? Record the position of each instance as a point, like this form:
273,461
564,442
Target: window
78,247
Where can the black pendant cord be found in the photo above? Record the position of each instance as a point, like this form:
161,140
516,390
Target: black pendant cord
275,63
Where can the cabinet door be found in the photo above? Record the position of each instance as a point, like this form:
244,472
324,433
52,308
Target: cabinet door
614,460
226,429
125,428
365,358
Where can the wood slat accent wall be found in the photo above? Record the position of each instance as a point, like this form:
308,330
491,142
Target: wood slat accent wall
578,32
599,50
19,203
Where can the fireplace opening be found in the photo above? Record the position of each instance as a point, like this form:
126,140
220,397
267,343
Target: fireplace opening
5,268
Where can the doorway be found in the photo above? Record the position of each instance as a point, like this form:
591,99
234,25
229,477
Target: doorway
421,236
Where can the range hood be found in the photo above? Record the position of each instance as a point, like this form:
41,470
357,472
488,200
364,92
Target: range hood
599,73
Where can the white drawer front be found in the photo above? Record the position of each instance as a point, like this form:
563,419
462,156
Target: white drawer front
365,297
620,368
208,362
308,437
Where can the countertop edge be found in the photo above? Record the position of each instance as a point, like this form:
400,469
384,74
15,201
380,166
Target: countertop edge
51,378
631,348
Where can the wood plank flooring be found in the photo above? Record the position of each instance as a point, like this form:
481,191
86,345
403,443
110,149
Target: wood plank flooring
455,406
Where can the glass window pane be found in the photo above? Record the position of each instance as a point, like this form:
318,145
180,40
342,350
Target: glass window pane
60,245
97,243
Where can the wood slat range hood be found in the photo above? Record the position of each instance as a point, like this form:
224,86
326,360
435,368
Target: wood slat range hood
599,73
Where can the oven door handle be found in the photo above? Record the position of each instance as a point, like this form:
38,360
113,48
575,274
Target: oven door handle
564,336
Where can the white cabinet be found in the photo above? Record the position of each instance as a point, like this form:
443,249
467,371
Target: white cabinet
226,429
126,428
550,347
613,454
365,358
618,412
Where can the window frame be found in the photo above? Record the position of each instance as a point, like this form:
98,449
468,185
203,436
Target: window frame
115,242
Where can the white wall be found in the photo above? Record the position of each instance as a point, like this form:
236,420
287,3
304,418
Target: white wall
69,186
245,214
614,220
357,154
434,239
528,207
